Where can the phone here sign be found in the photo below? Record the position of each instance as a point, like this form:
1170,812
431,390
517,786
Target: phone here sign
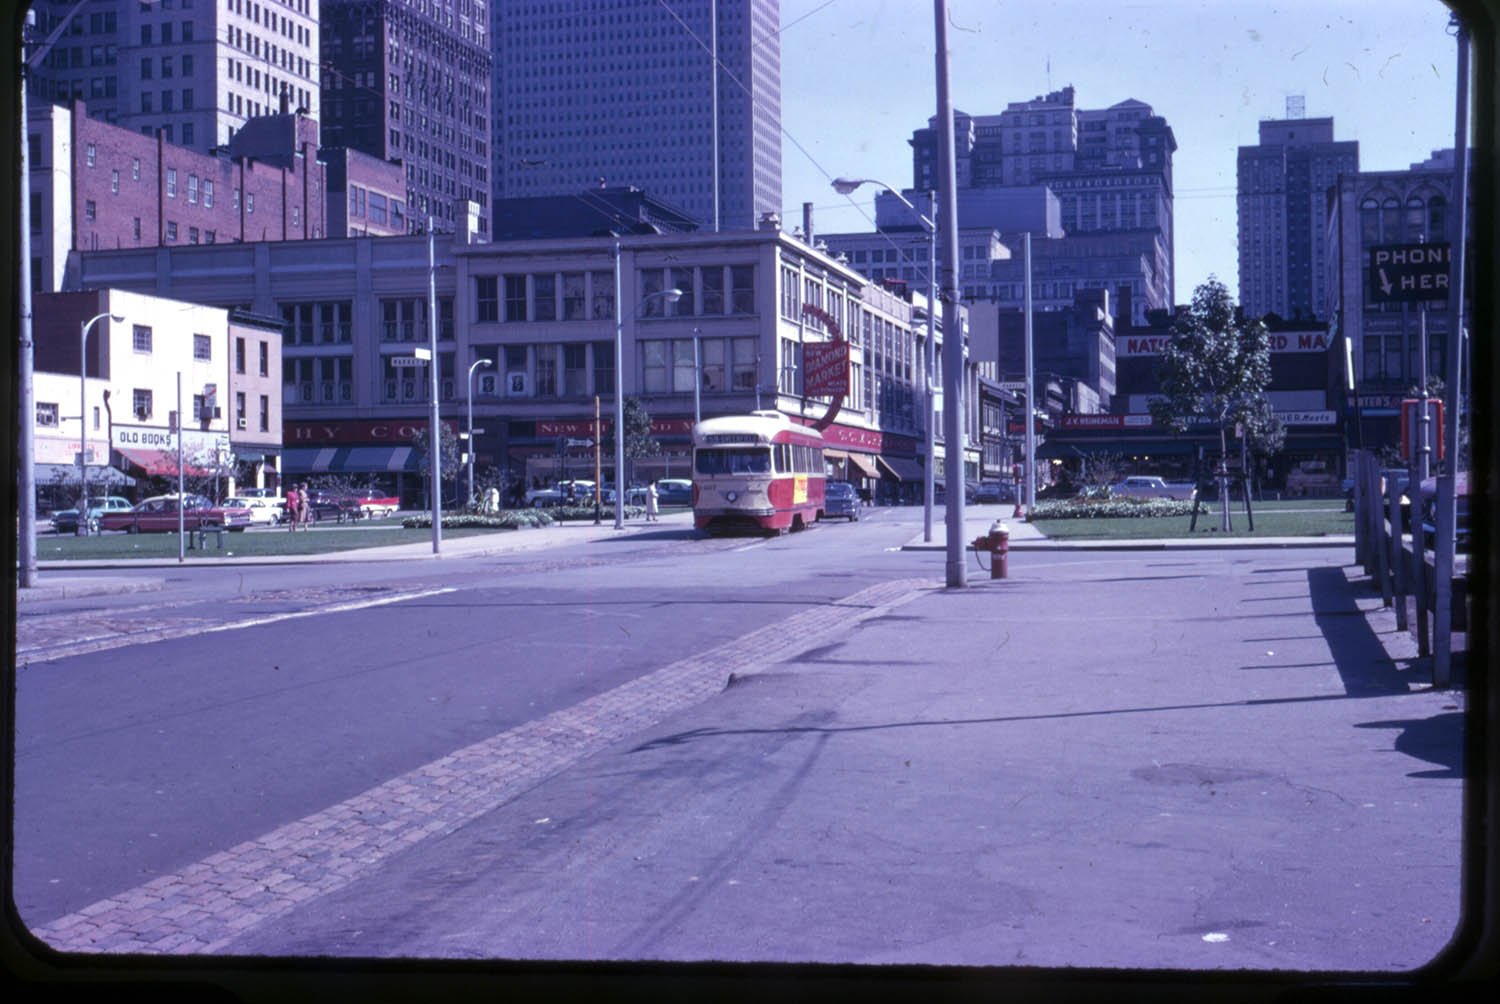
1402,273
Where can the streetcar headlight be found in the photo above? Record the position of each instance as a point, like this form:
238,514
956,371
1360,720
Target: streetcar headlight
731,496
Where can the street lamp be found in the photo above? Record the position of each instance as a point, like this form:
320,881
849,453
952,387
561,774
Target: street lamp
671,296
846,186
83,418
476,364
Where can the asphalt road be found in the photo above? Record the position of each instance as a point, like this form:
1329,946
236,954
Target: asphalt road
797,749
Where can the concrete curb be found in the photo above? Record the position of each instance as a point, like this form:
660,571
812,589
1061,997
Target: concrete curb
67,589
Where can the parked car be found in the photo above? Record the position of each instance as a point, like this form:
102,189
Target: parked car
940,491
66,520
263,511
1311,477
323,506
372,503
840,499
1428,495
674,491
990,492
158,514
1149,487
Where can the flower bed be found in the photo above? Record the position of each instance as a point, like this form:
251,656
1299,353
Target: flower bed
506,519
1115,508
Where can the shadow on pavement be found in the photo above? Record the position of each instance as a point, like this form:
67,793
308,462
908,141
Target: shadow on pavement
1438,739
1362,662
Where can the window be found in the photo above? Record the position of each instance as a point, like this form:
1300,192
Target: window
208,194
166,67
713,290
187,106
140,401
742,289
604,295
249,202
546,370
654,376
114,182
171,182
146,63
486,298
604,367
265,411
135,169
146,109
545,288
239,409
46,415
515,298
193,189
265,358
203,348
140,338
136,227
680,279
171,230
575,363
88,209
90,156
239,355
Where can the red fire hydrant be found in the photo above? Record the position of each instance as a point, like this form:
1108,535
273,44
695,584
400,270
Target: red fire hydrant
997,542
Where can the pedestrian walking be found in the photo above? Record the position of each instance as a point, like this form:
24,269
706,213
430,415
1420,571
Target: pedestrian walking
653,512
302,504
290,507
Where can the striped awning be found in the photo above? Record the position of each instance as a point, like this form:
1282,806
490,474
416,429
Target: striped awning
349,459
864,464
901,468
161,462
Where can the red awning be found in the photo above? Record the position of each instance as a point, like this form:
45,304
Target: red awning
161,462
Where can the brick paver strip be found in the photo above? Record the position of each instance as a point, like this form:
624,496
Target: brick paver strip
205,905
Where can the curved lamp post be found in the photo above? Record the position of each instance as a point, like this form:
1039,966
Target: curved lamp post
83,418
470,399
846,186
671,296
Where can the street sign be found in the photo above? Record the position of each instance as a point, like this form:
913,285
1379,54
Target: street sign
406,362
1409,272
580,442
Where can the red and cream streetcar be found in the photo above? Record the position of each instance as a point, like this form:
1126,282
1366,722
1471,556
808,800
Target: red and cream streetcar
759,471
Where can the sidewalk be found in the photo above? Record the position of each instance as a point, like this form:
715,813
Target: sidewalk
1024,536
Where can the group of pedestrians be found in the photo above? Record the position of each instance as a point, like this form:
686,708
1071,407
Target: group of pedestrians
296,506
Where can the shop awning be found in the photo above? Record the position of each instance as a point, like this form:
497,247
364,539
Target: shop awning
349,459
162,462
901,468
864,464
52,474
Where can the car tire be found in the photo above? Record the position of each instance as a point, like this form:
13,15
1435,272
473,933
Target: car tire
94,526
132,528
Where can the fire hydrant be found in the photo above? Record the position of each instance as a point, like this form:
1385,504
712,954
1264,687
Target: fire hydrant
997,542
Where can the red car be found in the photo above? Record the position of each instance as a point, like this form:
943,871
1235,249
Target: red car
372,503
158,514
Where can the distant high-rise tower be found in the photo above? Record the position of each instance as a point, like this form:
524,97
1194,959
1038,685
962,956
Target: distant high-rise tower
621,92
194,72
1283,212
411,82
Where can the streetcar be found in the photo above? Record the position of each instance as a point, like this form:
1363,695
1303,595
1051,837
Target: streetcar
759,472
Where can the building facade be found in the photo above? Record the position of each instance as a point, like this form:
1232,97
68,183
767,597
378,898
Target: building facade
544,314
194,72
137,371
624,92
1282,203
1368,209
410,82
1110,169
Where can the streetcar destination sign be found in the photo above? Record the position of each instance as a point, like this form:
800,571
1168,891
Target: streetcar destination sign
1408,272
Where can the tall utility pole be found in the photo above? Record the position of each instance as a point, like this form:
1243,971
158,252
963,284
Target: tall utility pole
953,336
1447,499
435,439
1028,495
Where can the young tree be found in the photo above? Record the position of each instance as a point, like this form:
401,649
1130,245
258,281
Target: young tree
1215,368
448,464
638,439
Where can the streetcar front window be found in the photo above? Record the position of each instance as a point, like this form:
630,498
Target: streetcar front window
735,461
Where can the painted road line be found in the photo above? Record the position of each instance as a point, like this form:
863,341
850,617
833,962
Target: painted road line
203,907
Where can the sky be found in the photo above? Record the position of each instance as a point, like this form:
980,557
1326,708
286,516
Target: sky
858,77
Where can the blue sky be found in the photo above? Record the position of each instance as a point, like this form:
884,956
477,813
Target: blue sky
857,78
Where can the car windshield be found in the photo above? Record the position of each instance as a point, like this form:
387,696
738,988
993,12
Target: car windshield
733,461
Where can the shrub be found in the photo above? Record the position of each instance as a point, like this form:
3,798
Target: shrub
506,519
563,513
1114,508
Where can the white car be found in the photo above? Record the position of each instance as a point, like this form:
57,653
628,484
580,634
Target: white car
263,511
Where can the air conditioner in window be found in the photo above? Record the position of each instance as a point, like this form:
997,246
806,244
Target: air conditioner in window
239,423
141,414
487,384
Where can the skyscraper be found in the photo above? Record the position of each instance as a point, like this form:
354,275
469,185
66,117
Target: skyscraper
621,92
195,72
1283,211
411,82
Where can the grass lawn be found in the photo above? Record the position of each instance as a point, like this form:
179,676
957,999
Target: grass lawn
1285,518
258,542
